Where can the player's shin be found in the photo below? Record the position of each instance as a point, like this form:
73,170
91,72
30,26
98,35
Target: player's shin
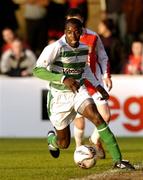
109,139
95,136
78,135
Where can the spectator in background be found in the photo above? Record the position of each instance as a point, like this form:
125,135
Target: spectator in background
113,46
17,61
35,16
113,9
8,36
8,16
134,63
133,10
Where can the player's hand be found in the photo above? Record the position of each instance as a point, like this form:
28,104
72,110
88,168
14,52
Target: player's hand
72,84
103,92
108,83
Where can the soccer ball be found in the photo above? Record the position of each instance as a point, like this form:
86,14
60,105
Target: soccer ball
84,156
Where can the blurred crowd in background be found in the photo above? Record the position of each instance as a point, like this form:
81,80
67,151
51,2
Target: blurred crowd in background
120,28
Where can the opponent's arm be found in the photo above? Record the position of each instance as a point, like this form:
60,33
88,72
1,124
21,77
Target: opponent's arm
92,84
103,58
88,75
104,63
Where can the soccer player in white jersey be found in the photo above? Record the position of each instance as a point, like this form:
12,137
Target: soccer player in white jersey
99,63
63,63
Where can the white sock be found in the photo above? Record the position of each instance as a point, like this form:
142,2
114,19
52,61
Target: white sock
78,135
95,136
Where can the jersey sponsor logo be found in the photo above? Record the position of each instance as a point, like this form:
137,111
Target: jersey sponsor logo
72,71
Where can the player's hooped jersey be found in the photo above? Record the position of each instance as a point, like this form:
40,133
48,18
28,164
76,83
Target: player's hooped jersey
60,58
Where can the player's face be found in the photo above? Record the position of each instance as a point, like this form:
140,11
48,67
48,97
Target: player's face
73,33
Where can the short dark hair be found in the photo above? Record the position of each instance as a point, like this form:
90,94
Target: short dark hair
74,12
74,21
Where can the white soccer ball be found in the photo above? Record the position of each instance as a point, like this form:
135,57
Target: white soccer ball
84,156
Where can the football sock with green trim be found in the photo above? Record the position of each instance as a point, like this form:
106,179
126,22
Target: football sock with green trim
78,136
109,139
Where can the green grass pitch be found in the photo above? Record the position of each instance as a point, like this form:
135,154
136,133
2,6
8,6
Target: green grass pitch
29,159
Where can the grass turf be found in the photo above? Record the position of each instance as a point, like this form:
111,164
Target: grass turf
29,159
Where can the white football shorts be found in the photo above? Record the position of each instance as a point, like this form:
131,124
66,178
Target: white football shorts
63,106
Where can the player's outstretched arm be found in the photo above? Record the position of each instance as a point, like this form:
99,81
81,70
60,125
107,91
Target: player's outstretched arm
44,74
